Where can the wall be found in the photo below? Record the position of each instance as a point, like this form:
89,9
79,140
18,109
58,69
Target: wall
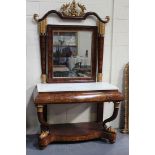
115,57
84,43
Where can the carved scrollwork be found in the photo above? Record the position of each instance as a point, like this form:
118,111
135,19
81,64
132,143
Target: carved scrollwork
36,17
73,9
109,129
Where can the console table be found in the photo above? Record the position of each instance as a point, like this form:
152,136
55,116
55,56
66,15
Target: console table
66,93
71,72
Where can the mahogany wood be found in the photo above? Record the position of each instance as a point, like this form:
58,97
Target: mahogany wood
74,17
50,29
100,53
100,107
78,97
43,53
76,132
80,131
42,119
45,112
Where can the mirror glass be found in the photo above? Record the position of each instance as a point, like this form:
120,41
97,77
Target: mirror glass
72,53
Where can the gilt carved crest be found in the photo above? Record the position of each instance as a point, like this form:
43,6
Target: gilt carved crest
73,9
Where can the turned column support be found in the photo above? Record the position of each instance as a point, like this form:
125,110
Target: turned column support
101,32
40,113
44,125
114,115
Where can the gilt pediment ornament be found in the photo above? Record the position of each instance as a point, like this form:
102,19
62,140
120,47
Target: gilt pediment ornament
73,9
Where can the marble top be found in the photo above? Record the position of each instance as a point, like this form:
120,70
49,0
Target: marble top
63,87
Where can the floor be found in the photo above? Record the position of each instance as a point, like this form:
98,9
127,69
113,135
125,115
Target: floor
96,147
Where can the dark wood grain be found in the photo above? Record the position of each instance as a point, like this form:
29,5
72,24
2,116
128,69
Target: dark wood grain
45,113
74,17
114,115
78,97
80,131
41,119
100,107
50,29
43,53
76,132
100,53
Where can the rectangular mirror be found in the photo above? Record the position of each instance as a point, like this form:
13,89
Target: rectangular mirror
72,53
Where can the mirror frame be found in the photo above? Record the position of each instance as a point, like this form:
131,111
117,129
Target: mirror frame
49,45
76,13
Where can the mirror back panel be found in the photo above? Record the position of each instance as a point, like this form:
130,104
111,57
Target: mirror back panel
72,53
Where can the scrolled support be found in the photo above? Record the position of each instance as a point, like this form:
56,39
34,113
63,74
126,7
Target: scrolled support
114,115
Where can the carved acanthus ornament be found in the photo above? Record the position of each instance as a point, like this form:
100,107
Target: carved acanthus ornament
73,9
101,27
44,134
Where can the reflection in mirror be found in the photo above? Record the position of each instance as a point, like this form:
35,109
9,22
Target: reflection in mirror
72,53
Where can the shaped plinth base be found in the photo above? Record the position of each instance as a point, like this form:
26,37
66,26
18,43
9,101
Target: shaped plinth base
75,132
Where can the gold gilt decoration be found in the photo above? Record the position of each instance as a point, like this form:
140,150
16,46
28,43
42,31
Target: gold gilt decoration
109,129
99,77
39,108
73,9
43,134
101,28
116,105
43,78
42,26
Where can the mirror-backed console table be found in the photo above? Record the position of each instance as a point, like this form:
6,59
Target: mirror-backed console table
71,63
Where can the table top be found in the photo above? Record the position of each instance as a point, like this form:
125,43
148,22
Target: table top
75,87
